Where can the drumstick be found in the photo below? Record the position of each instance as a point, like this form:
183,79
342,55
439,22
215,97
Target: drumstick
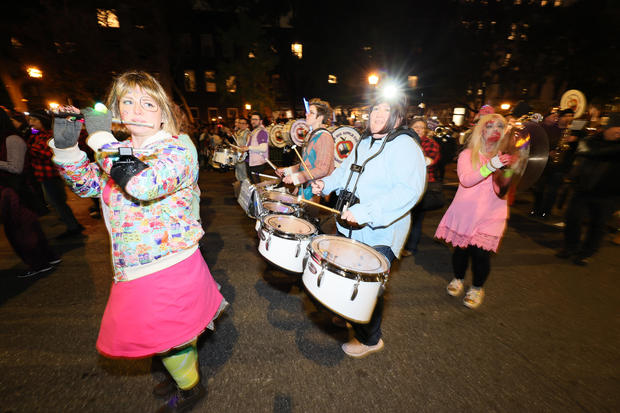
234,146
270,164
303,163
306,201
269,176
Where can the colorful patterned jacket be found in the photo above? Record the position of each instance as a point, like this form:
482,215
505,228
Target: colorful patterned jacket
150,223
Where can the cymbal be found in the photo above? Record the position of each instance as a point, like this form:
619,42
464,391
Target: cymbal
531,145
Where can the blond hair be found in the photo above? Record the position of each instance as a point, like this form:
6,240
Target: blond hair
475,141
149,85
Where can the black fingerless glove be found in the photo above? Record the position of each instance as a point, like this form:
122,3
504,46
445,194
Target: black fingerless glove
126,167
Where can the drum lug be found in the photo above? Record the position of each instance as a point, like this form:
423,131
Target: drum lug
355,289
320,277
261,235
267,242
298,250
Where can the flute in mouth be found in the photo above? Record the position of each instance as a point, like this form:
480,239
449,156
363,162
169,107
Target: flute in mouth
79,116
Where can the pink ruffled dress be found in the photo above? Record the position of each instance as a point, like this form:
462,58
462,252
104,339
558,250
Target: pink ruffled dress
476,216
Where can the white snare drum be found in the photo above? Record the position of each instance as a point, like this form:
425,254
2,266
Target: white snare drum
345,275
283,240
282,197
272,207
225,156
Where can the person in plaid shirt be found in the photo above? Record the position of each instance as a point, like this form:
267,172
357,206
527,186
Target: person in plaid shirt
432,155
45,171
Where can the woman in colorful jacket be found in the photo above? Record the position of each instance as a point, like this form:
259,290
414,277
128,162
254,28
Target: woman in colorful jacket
318,152
476,219
163,295
389,185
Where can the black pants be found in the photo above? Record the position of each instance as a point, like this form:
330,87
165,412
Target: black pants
480,263
370,333
252,170
598,211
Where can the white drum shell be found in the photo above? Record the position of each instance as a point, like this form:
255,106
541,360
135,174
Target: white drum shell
225,157
335,292
285,253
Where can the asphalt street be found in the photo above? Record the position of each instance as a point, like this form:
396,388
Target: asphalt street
546,338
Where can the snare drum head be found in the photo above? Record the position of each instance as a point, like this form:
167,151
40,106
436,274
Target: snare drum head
345,139
277,208
349,255
278,196
289,224
299,131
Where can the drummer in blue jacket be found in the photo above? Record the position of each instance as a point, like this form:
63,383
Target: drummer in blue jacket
387,174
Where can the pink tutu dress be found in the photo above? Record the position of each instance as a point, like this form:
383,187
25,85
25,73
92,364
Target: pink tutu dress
476,216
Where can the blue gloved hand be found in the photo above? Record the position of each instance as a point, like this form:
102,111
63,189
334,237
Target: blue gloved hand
96,121
66,132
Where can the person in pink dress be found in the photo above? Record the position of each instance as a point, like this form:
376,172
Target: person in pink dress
476,219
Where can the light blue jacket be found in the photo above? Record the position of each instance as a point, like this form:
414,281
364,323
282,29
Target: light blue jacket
391,184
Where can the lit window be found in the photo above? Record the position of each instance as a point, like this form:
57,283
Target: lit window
210,81
251,55
297,49
107,18
412,81
543,2
231,84
189,80
332,79
34,72
16,43
557,3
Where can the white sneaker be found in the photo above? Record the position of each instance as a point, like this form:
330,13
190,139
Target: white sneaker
474,297
455,288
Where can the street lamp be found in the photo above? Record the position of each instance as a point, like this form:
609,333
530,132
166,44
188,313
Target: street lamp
504,106
248,106
53,105
373,79
34,72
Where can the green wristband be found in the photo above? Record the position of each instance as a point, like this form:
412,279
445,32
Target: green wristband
485,171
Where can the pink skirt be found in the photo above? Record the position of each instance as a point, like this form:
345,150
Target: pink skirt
160,311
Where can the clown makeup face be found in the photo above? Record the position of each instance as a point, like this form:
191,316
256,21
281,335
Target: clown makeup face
492,133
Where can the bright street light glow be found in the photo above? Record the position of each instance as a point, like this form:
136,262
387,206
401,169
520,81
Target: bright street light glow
53,105
505,106
373,79
390,91
248,106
